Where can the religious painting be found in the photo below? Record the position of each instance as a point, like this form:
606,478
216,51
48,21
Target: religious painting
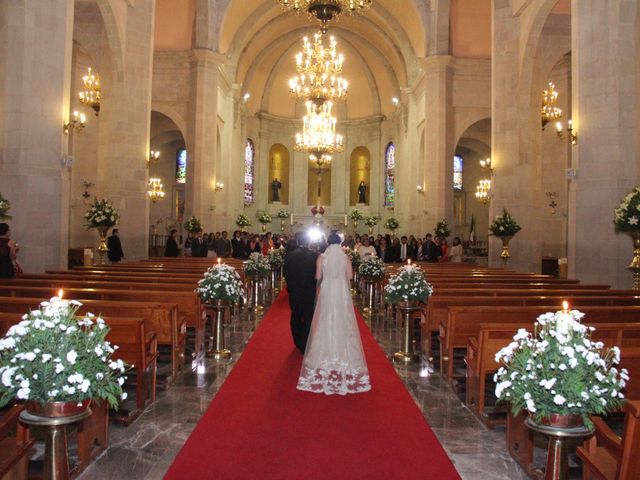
278,174
360,176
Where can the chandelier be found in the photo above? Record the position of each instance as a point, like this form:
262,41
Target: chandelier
549,110
483,191
155,191
325,10
319,70
90,96
319,135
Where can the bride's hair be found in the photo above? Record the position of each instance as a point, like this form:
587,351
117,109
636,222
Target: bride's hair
333,239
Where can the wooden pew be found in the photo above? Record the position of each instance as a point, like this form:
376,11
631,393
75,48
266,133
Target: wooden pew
160,318
609,457
464,322
15,446
481,351
104,283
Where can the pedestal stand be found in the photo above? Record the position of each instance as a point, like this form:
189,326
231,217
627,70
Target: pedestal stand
218,350
407,355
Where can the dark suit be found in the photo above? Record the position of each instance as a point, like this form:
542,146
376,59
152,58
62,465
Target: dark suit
237,247
198,247
223,247
115,248
300,274
431,251
171,248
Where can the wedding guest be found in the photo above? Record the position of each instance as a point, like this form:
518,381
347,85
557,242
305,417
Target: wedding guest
255,245
198,245
384,251
267,243
223,246
357,242
430,250
455,253
188,243
444,251
237,248
403,250
413,249
115,253
8,252
171,248
366,248
210,243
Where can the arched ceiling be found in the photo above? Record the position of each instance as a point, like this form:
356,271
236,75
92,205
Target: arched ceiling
163,130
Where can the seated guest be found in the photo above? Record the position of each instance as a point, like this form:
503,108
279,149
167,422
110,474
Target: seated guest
171,248
455,252
366,249
115,253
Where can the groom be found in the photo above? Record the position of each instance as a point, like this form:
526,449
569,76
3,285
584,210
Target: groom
300,274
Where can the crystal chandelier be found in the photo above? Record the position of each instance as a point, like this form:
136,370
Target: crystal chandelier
483,191
549,110
319,135
90,96
319,70
325,10
155,191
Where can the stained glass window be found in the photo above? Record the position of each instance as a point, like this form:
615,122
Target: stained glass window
249,158
181,166
458,164
389,173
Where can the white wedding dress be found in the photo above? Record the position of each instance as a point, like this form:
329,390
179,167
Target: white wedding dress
334,361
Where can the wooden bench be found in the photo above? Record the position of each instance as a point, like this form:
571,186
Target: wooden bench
609,457
15,445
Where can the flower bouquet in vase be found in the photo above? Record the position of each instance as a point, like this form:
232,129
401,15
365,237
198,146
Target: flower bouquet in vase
257,269
101,215
5,205
242,221
193,225
355,216
627,220
264,219
442,229
371,270
371,221
355,259
392,224
283,215
504,227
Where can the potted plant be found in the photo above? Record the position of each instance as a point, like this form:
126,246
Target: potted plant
627,220
504,227
392,224
193,225
101,215
408,287
5,205
242,221
442,229
559,372
264,218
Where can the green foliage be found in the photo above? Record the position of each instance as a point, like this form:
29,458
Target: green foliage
193,225
220,282
371,268
627,215
257,264
408,285
101,213
504,225
442,229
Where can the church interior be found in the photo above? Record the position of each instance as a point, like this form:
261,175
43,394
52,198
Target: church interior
422,112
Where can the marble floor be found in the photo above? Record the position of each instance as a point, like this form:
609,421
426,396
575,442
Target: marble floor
146,449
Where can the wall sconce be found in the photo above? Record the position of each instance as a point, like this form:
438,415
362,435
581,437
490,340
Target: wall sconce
395,101
552,203
77,122
86,195
420,189
90,96
219,186
246,97
485,165
573,137
154,155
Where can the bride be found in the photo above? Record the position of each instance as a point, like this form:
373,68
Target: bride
334,360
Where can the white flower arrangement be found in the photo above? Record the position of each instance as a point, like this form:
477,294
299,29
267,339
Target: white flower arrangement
220,282
371,220
559,370
504,225
371,268
243,221
101,213
408,285
442,229
356,215
193,225
283,214
627,215
391,224
51,356
353,256
264,218
257,265
5,205
276,257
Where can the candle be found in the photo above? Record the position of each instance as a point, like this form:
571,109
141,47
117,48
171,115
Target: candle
564,319
60,293
408,261
291,219
345,221
219,260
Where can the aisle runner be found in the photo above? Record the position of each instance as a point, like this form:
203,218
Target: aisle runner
260,427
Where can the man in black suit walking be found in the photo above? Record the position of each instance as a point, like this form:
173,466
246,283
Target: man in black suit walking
300,274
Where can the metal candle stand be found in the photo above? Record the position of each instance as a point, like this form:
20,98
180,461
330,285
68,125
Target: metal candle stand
406,354
218,350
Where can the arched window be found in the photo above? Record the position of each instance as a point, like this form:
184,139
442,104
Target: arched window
389,173
181,165
249,158
458,164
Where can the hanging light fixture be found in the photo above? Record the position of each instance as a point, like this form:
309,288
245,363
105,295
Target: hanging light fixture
318,134
483,191
325,11
155,191
549,111
90,96
319,68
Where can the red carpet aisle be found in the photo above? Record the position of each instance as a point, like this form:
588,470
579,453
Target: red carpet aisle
260,427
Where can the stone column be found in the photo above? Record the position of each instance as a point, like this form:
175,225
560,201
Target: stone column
125,118
204,121
605,95
438,144
35,77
